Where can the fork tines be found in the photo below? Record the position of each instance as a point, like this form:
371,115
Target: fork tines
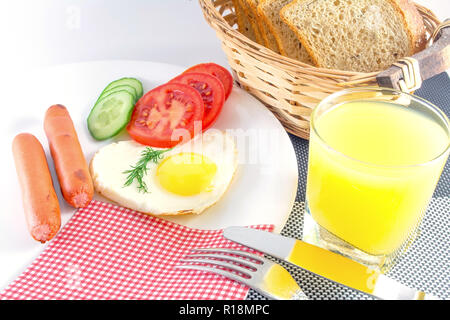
267,277
234,264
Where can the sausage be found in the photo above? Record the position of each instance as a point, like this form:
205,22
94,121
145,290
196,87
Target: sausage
71,166
39,199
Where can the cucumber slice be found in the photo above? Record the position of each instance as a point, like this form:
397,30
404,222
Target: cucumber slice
132,82
110,115
127,88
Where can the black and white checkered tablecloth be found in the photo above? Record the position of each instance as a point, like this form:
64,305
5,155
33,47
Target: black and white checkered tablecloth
426,266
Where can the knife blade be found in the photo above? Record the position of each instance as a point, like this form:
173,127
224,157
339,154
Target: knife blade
325,263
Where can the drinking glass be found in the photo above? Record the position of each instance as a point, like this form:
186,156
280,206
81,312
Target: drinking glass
375,157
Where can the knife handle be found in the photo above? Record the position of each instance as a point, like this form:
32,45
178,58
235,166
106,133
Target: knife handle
420,295
333,266
351,274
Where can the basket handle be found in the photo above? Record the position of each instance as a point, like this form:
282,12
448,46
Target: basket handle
407,74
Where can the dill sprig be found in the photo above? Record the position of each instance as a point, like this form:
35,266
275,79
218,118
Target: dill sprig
138,171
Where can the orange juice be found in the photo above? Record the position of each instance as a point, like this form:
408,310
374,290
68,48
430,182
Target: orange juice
373,166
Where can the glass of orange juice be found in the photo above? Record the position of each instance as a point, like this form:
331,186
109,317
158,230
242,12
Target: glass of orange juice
375,157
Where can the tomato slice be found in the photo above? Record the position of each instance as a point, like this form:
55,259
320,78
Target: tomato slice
218,71
211,90
163,110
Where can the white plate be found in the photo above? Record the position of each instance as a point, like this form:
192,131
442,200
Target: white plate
263,189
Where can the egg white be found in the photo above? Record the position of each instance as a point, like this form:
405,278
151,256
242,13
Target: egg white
109,163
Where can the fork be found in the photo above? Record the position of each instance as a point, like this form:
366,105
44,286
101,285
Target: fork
266,277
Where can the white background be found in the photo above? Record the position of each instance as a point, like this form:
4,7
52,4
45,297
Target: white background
37,33
47,32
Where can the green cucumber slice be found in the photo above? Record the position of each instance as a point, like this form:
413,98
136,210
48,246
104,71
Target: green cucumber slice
127,88
110,115
132,82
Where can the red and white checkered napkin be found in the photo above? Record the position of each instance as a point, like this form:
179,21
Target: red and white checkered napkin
110,252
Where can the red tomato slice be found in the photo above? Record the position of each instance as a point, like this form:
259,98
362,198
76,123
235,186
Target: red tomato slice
163,110
211,90
218,71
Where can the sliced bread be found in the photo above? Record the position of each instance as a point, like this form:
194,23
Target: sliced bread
244,25
356,35
269,39
252,19
288,43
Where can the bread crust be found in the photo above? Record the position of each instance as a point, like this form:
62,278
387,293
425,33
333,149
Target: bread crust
245,28
299,35
267,35
252,20
414,24
269,25
277,37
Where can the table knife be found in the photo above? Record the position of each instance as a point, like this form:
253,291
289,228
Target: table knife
325,263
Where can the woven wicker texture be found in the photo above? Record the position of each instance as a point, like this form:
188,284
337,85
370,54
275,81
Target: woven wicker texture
289,88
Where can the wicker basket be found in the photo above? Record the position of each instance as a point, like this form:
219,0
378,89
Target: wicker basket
289,88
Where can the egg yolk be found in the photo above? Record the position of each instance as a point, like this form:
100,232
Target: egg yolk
186,174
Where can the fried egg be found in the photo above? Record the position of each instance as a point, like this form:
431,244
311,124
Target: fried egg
187,179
